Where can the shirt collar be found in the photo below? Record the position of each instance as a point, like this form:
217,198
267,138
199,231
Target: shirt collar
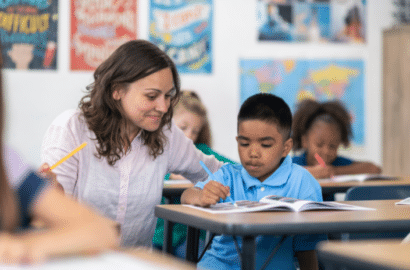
277,178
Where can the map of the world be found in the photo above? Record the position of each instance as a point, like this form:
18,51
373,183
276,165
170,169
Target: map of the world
322,80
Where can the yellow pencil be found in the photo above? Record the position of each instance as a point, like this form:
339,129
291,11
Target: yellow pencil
69,155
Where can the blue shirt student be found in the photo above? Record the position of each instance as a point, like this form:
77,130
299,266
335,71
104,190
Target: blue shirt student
289,180
339,161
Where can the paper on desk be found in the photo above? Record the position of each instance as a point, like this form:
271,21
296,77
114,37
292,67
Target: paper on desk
106,261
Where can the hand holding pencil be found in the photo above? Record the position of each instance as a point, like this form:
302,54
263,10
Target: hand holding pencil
46,171
321,170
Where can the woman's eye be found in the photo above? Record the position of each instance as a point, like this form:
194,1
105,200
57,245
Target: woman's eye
152,97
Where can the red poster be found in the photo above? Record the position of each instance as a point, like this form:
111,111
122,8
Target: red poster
99,27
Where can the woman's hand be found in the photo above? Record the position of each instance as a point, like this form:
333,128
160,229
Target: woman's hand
45,172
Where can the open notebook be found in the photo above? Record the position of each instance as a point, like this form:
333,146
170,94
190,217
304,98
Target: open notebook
360,177
275,203
105,261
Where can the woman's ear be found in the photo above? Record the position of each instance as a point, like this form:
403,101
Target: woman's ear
117,94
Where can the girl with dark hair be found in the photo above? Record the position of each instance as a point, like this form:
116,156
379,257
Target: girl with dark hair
320,128
26,195
132,142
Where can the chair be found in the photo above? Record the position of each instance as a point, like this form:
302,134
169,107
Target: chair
366,193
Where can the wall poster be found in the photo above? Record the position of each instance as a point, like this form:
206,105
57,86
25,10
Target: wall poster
99,27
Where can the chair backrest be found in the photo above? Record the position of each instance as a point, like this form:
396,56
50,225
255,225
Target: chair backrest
377,193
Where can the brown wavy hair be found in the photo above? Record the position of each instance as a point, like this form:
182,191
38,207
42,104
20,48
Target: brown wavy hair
129,63
8,204
310,111
190,101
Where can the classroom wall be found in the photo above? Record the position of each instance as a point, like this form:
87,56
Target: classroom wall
35,98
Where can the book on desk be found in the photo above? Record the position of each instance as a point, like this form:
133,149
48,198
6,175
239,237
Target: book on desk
359,177
275,203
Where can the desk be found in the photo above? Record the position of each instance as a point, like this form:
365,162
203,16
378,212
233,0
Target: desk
172,189
365,255
329,187
387,218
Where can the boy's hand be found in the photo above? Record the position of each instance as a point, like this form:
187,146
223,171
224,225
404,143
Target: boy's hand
45,172
212,192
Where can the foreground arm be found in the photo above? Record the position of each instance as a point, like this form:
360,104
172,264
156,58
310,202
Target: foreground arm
71,228
307,260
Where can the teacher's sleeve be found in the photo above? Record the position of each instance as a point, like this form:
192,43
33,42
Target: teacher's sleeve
59,141
184,157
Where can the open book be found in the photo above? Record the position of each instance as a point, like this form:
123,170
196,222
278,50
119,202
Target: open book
275,203
360,177
405,201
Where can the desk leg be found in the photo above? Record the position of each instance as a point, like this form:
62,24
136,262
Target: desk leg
248,253
168,226
192,244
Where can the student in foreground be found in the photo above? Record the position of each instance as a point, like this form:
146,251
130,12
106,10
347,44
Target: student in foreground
264,124
320,128
69,227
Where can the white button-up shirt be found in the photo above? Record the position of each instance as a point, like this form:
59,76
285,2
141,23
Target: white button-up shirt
128,191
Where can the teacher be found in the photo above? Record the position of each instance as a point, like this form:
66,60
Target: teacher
125,118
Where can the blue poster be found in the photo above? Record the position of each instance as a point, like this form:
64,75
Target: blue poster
28,33
322,80
183,29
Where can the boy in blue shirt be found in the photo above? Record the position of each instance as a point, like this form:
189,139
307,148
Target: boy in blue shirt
264,126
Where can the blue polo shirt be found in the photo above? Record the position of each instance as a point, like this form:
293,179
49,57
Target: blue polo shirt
339,161
289,180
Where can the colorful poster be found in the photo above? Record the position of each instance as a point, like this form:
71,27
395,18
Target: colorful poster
312,20
99,27
322,80
28,33
183,29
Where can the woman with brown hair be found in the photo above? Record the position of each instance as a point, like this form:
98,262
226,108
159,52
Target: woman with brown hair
25,195
132,142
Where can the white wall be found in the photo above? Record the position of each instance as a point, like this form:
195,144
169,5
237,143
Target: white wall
35,98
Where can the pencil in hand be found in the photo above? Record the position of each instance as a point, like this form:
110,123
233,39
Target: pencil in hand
212,177
320,160
68,156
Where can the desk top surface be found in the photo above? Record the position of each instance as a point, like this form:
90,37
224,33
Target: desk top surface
386,217
369,254
396,182
160,259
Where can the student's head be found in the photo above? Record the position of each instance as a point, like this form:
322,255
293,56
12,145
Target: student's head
264,124
321,128
8,205
134,91
191,117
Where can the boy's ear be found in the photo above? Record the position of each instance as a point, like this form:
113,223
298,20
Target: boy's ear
287,147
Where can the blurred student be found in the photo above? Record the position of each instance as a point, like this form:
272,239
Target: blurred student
69,227
190,115
320,128
264,125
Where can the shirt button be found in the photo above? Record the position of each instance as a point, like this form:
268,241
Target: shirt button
262,188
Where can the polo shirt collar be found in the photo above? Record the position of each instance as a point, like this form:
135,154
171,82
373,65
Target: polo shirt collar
277,178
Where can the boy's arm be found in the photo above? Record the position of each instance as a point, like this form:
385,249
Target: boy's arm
307,260
357,168
211,194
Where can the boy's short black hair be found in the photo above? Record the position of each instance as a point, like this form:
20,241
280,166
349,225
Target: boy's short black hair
269,108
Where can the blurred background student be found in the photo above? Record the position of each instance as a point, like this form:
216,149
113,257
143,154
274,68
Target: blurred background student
69,227
190,115
321,128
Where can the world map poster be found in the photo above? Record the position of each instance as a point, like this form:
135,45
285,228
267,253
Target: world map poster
321,80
